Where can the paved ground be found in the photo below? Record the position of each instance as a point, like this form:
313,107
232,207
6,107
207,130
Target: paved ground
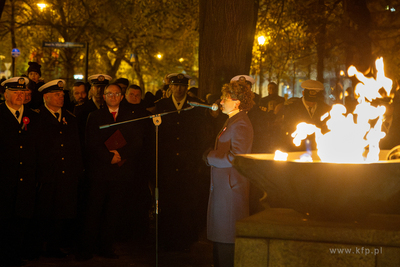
140,255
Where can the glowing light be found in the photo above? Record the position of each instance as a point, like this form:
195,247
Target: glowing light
350,140
159,56
261,40
181,60
281,156
42,6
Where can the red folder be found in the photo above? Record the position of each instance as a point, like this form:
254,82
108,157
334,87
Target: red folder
116,141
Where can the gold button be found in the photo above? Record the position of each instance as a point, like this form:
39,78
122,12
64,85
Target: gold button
21,179
19,131
20,147
177,122
62,144
177,154
20,163
63,171
60,132
62,158
177,170
177,138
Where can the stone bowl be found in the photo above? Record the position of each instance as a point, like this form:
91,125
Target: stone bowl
325,191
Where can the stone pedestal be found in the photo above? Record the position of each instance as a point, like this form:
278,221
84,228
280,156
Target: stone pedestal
284,237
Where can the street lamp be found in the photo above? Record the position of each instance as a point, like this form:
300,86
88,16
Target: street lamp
42,6
261,42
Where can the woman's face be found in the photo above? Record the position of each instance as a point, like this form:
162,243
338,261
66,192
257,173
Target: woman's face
228,104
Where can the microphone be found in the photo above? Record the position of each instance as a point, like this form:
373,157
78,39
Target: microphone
213,107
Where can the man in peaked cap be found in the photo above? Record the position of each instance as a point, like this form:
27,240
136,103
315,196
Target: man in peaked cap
95,102
246,78
59,168
307,109
18,125
181,142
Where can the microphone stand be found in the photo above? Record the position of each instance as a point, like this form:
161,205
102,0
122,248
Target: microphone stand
157,121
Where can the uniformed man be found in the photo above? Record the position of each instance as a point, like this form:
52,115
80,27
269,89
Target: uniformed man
308,109
181,145
17,169
59,168
82,111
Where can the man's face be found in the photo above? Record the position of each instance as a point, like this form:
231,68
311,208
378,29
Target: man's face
133,96
96,93
80,94
28,96
54,100
34,76
14,98
271,89
113,96
179,91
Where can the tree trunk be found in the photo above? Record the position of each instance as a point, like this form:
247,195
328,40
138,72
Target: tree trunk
227,31
358,42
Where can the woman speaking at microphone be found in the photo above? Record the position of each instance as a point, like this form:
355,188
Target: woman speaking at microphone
229,191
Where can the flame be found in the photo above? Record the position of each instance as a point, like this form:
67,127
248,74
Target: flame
281,156
352,137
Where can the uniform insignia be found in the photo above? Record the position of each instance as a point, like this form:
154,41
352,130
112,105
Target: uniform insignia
60,84
180,76
101,78
242,79
312,92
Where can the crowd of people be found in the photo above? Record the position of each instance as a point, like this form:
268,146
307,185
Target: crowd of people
78,166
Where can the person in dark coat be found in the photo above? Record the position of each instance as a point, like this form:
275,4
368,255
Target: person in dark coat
95,102
59,169
135,224
34,75
182,187
110,167
308,109
17,170
229,190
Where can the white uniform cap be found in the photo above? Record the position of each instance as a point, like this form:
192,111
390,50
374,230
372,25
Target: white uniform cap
16,83
312,85
54,85
247,77
100,79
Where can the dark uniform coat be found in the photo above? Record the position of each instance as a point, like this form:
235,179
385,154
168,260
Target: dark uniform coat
17,181
82,111
229,190
181,145
60,165
17,163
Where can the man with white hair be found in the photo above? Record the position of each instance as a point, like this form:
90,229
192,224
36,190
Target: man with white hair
59,168
17,169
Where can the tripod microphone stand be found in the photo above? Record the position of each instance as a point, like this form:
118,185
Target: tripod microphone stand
156,121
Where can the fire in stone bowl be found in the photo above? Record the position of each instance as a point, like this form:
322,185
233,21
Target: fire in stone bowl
326,191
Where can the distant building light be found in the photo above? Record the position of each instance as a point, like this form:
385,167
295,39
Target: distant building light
78,76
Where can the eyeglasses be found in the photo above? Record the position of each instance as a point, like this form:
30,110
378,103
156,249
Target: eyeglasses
113,94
